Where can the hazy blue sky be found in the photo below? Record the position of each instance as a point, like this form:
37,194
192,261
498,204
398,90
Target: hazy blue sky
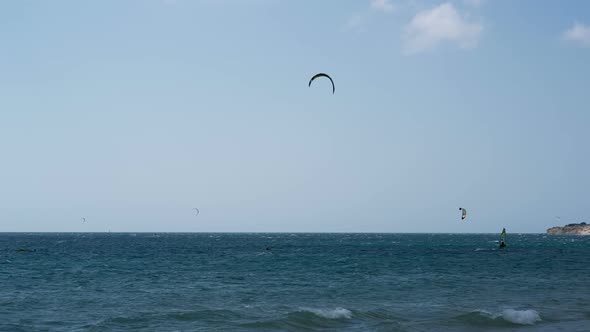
131,113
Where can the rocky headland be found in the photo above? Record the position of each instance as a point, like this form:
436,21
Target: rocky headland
571,229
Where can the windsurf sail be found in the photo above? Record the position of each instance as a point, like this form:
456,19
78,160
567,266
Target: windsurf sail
503,238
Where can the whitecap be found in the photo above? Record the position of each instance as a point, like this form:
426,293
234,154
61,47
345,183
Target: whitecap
337,313
523,317
485,313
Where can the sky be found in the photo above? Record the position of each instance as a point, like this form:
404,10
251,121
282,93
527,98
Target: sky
132,113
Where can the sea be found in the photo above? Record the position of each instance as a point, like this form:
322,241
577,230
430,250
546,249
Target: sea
293,282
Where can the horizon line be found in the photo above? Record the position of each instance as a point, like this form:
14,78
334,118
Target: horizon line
244,232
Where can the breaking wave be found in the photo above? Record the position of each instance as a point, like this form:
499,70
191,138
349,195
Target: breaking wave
306,319
338,313
504,317
522,317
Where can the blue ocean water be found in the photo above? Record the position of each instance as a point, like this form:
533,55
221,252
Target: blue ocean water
292,282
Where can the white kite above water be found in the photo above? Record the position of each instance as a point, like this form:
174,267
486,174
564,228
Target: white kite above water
463,213
196,211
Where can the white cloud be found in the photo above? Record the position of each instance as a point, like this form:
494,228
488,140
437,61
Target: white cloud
440,24
382,5
579,33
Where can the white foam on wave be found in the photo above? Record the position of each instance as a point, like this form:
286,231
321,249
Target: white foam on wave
523,317
337,313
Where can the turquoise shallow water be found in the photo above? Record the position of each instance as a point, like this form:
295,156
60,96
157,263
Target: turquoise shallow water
327,282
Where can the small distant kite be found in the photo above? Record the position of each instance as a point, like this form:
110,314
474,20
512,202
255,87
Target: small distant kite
463,213
323,75
83,219
196,211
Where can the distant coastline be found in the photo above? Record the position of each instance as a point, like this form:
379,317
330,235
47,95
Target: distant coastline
570,229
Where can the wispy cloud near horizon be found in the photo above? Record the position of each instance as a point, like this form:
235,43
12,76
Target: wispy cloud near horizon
382,5
356,23
359,21
474,3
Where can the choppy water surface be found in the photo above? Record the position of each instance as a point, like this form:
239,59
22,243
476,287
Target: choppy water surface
329,282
